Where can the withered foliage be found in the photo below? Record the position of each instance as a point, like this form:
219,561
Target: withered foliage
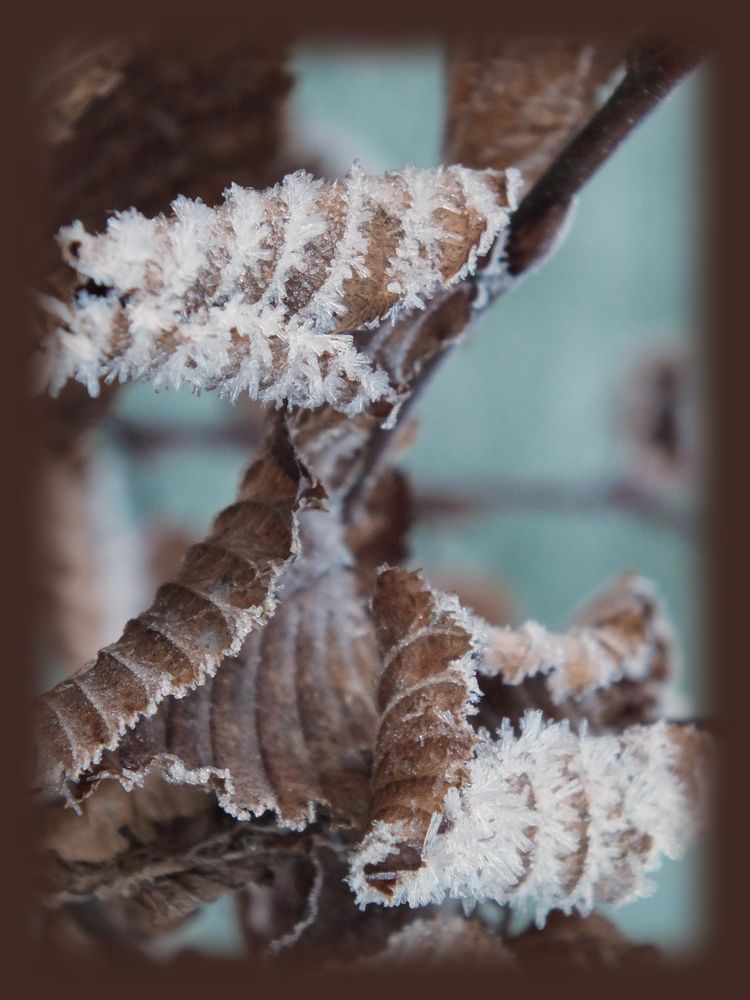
288,721
288,724
516,101
194,114
595,811
225,589
260,295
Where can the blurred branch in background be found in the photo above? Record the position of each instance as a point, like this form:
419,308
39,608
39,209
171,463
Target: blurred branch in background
440,503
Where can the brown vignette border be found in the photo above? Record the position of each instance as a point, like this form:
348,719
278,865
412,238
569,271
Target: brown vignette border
722,340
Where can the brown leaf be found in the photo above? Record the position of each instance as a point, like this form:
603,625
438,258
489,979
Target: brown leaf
289,725
608,669
516,101
425,697
194,114
140,861
224,590
621,633
272,281
544,815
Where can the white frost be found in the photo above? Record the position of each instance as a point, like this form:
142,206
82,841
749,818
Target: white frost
551,817
199,298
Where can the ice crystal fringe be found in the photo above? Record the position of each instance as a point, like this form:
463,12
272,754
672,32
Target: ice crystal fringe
262,294
545,816
622,634
288,726
225,589
550,818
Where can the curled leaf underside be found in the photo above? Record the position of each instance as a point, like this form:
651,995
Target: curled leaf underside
257,295
545,815
288,725
225,589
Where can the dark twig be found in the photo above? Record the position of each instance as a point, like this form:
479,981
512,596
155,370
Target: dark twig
147,439
654,68
440,503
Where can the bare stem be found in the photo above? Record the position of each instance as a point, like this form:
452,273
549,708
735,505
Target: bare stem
567,498
654,68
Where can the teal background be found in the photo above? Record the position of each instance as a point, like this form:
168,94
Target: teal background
530,395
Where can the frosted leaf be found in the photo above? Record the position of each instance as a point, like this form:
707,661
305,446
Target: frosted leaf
288,725
622,633
262,294
544,816
225,589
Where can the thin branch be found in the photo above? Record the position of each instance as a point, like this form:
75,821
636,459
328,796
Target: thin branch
439,502
654,68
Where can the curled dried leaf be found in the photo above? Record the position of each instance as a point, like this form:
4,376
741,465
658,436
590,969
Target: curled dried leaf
289,724
226,588
609,670
516,101
544,816
256,295
191,862
426,693
621,634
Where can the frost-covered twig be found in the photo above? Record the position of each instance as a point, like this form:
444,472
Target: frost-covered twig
261,294
544,816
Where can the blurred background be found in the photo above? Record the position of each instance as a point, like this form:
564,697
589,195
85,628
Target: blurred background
558,446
